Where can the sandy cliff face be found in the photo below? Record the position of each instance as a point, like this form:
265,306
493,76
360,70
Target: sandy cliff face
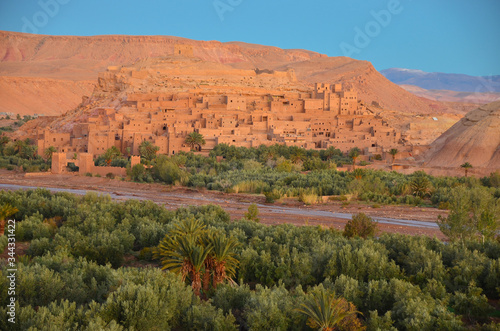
81,58
474,139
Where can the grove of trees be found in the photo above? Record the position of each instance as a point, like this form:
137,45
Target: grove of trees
280,171
23,155
95,264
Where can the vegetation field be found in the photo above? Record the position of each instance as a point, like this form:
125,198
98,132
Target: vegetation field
94,264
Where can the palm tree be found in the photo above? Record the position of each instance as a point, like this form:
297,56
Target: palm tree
466,167
420,186
354,154
147,150
49,151
6,211
195,138
112,153
358,173
222,258
393,152
185,256
324,311
30,152
4,140
194,261
192,251
19,146
330,152
297,156
192,226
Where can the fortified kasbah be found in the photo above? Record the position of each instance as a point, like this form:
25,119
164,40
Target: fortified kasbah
164,100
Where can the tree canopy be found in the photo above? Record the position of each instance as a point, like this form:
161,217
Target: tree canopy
195,139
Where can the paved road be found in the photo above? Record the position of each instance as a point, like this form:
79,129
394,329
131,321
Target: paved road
159,197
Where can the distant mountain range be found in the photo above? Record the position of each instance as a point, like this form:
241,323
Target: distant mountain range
442,81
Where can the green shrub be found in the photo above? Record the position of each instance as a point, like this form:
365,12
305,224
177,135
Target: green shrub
251,186
309,198
4,241
350,289
147,299
444,205
377,322
472,304
39,247
274,309
35,227
360,225
168,172
204,316
253,213
272,196
137,173
38,285
146,254
369,261
232,298
64,315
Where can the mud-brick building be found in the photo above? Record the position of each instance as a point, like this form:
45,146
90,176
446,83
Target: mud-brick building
329,115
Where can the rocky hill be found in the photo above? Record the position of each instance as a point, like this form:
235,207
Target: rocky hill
38,95
79,59
474,139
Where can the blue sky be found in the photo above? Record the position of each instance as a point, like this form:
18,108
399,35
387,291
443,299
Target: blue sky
453,36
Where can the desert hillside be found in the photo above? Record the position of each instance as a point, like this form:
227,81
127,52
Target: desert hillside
474,139
373,87
80,58
72,58
38,95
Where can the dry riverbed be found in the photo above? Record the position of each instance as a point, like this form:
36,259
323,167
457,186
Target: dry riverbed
395,219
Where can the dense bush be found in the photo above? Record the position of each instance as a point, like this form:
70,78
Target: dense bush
21,154
278,171
360,225
275,171
75,276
